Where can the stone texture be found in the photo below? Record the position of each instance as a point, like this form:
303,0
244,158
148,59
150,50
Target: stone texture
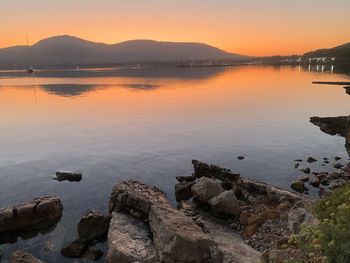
75,249
23,257
93,225
183,191
206,188
298,186
225,203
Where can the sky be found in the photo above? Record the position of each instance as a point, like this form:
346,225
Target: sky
250,27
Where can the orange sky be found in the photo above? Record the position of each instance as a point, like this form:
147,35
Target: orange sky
251,27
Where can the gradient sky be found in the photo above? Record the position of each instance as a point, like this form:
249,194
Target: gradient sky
252,27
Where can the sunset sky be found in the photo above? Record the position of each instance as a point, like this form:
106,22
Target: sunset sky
252,27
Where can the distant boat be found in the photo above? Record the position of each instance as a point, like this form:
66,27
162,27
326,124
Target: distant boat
29,70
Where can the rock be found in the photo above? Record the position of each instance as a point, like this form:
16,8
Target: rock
75,249
326,161
324,182
305,170
304,178
129,240
296,165
298,160
315,182
176,237
225,204
23,257
311,160
240,157
254,221
186,178
206,188
93,254
331,125
93,225
298,186
183,191
41,214
337,158
336,183
337,165
213,171
68,176
297,217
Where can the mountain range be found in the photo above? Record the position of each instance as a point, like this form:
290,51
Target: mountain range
341,52
73,51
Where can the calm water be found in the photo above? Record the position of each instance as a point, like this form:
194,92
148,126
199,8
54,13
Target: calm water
148,124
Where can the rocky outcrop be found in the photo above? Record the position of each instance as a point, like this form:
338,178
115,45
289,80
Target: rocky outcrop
225,204
176,237
39,215
68,176
23,257
206,188
93,225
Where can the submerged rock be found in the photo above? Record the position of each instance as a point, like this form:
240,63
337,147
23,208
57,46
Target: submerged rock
68,176
225,204
206,188
23,257
93,225
304,178
76,248
311,160
41,214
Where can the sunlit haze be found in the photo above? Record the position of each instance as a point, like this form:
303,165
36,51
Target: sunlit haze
251,27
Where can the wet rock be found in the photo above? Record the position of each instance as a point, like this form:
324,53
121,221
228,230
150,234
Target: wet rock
336,183
214,171
304,178
240,157
338,165
93,225
337,158
298,186
129,240
23,257
331,125
176,237
75,249
324,182
326,161
68,176
311,160
186,178
41,214
315,182
296,165
298,160
93,254
305,170
225,204
183,191
206,188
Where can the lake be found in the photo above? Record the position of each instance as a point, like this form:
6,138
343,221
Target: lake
147,124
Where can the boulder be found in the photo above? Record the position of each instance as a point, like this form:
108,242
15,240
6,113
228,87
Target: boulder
206,188
129,240
93,225
41,214
298,186
305,170
23,257
75,249
225,204
68,176
315,182
176,237
183,190
214,171
311,160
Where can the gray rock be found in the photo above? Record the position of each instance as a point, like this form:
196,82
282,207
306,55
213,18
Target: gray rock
298,186
240,157
337,158
226,204
93,225
75,249
68,176
304,178
311,160
305,170
297,217
186,178
206,188
296,165
23,257
37,215
315,182
183,191
129,240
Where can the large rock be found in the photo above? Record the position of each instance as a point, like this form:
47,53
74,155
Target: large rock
93,225
183,190
206,188
176,237
40,214
298,186
129,240
225,203
214,171
23,257
68,176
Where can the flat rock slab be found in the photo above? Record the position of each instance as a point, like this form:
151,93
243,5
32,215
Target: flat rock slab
36,215
129,240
